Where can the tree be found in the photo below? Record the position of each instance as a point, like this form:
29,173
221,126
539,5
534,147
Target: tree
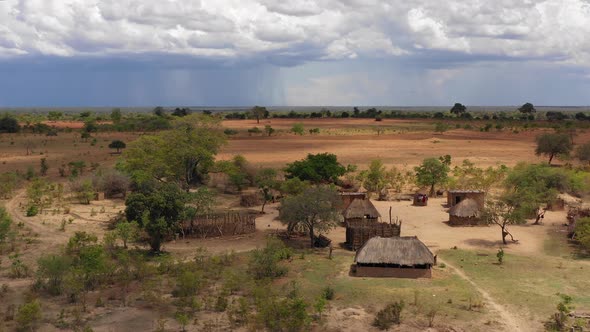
583,153
458,109
468,176
316,209
527,108
127,231
298,129
316,168
259,112
183,154
83,190
431,172
377,178
116,115
502,213
117,144
159,208
293,186
269,130
266,179
9,124
553,144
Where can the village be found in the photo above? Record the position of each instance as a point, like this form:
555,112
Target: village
446,245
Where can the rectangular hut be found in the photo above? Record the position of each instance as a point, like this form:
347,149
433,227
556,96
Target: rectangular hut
455,197
396,257
348,197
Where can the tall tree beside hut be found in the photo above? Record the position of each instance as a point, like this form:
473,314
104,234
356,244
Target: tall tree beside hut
315,210
432,172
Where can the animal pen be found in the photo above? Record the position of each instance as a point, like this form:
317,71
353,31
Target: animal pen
220,224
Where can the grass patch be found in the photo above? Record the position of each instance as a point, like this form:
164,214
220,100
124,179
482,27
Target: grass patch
526,284
446,292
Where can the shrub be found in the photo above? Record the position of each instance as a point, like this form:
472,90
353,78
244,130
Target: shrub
328,293
389,315
264,263
28,316
32,211
230,132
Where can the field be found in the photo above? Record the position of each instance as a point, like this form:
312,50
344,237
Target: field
469,290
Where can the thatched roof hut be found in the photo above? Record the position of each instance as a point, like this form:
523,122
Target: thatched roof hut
402,257
456,196
361,209
467,212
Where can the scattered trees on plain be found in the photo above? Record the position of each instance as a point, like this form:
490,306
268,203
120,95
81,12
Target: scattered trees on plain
118,145
552,145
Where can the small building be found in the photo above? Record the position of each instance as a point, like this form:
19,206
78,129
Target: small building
397,257
455,197
466,213
420,199
348,197
361,209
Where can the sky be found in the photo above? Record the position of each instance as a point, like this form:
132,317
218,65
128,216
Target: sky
75,53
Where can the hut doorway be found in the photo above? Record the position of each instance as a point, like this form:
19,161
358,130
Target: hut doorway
458,199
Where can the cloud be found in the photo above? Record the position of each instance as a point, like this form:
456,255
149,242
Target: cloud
294,32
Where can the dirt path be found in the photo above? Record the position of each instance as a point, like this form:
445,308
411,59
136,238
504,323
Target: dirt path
511,322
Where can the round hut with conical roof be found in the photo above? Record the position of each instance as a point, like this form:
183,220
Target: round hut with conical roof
466,213
398,257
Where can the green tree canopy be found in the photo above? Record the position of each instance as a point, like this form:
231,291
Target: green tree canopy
298,129
316,209
432,172
458,109
116,115
259,112
582,232
158,208
316,168
527,108
266,179
118,145
182,155
9,124
553,145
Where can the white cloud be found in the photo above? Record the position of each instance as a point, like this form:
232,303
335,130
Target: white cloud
298,30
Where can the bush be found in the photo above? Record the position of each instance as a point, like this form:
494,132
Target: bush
264,263
32,211
112,183
582,232
389,315
328,293
230,132
28,316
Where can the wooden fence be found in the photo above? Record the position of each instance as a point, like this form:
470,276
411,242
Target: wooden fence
359,231
220,224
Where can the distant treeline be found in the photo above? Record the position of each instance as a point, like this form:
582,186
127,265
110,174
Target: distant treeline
160,117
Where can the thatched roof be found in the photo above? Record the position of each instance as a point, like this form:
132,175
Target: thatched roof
465,209
466,191
406,251
359,208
